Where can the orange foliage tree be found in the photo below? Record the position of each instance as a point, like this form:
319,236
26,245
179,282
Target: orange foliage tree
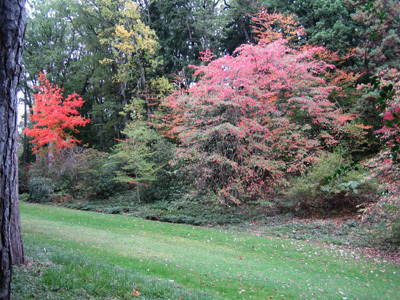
269,27
54,118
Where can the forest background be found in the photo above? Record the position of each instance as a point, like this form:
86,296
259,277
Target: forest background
214,112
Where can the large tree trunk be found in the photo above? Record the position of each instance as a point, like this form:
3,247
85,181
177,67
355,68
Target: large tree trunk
12,29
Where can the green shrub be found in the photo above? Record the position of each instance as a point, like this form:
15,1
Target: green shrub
76,173
205,210
181,219
165,184
24,197
41,189
95,175
332,184
396,231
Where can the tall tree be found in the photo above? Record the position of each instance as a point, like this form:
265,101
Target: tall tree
237,30
12,29
184,28
134,48
327,23
52,45
102,94
379,28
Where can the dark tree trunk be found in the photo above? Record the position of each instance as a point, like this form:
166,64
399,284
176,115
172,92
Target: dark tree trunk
12,29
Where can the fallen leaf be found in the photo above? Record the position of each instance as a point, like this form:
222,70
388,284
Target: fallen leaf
135,292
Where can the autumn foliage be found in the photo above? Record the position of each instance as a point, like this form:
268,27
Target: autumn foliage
253,118
269,27
54,117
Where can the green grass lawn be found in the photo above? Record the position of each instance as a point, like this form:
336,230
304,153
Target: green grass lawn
85,255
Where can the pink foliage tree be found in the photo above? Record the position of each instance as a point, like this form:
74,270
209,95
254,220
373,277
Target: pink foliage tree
253,118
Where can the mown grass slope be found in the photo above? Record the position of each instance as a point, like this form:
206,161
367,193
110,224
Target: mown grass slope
85,255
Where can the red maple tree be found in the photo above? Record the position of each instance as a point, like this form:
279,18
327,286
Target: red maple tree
54,117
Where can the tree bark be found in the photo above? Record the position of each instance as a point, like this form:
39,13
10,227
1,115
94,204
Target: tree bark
12,29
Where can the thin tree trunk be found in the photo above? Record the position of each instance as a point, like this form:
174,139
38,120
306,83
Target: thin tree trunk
138,193
122,87
137,188
12,29
25,147
243,25
27,113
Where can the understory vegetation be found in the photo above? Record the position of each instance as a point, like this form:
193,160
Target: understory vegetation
276,116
